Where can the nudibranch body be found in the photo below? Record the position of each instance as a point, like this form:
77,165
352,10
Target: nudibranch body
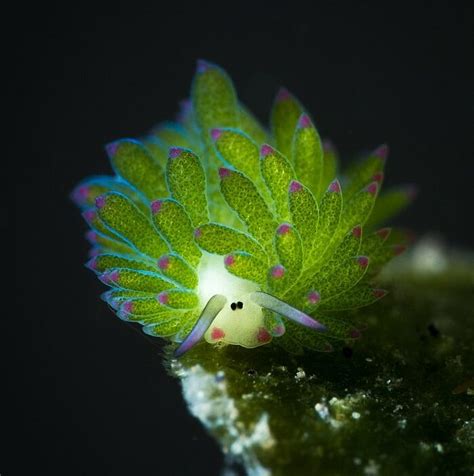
214,228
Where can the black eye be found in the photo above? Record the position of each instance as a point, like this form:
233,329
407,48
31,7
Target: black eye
233,306
240,304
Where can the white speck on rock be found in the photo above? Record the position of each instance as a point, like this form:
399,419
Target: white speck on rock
322,410
439,447
355,415
300,374
372,468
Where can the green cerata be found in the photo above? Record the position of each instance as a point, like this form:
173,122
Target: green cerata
216,228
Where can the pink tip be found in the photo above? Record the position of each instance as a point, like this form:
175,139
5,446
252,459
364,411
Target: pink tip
215,134
109,278
223,172
334,186
399,249
163,298
283,229
354,333
372,188
314,297
202,66
164,262
282,95
89,215
263,335
175,152
383,233
127,306
156,206
111,148
217,333
304,121
92,264
378,177
100,201
357,231
91,236
229,260
381,151
81,194
197,233
363,261
379,293
266,150
295,186
278,271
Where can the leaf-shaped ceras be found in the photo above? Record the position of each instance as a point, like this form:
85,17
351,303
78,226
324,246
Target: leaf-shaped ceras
215,228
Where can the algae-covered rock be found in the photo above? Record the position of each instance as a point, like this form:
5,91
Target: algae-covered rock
401,401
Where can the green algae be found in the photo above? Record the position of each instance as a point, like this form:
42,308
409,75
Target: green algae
399,402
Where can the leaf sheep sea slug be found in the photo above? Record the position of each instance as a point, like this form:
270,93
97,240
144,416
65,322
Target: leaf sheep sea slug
214,227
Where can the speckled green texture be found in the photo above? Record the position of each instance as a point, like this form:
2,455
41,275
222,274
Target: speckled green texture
221,240
243,197
284,118
308,157
172,221
246,266
135,164
277,173
290,251
400,403
187,184
304,215
120,214
238,150
136,280
101,263
216,181
176,268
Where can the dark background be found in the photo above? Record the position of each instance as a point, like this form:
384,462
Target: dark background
89,395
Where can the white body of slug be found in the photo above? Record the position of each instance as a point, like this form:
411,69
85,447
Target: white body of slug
234,310
240,322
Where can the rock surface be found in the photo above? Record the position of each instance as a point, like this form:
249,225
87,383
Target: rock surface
400,401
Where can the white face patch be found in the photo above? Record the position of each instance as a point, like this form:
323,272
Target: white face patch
241,322
215,279
233,310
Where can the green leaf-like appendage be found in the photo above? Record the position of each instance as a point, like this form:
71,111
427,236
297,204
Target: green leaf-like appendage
243,197
172,221
278,174
187,183
135,164
221,240
124,218
285,114
214,204
308,155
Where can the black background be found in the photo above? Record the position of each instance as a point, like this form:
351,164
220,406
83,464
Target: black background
89,394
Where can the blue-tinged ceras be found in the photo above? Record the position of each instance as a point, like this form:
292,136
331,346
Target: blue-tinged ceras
215,226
